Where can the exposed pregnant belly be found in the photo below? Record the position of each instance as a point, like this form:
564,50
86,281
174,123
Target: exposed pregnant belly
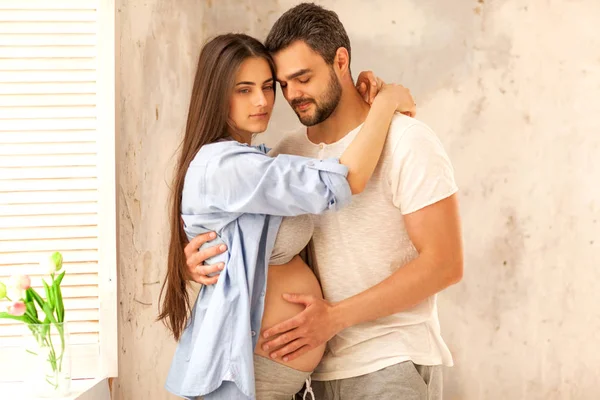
293,277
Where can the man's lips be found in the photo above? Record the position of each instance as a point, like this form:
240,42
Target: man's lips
303,106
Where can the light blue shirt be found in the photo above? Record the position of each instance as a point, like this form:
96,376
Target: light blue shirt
242,194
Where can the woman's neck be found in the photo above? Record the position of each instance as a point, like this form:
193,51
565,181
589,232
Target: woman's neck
241,136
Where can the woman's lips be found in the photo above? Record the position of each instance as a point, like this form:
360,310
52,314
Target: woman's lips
259,115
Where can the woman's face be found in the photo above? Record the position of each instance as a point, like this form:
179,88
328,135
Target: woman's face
253,97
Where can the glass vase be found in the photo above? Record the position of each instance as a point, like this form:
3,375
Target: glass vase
47,360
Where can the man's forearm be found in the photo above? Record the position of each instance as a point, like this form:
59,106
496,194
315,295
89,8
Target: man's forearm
407,287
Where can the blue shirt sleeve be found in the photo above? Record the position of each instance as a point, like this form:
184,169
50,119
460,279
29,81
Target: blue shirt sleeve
248,181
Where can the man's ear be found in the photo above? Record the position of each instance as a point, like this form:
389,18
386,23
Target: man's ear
342,61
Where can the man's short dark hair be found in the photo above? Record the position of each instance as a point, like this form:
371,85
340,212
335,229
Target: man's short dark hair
318,27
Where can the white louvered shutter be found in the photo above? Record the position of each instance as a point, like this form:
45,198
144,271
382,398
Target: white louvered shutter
57,167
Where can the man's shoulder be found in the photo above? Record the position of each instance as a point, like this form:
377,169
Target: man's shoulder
409,131
402,124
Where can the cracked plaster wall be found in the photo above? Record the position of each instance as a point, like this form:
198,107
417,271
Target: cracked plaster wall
512,89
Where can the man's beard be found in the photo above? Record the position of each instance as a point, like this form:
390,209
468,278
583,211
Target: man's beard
325,107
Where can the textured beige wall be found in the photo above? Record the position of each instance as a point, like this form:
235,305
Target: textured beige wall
158,47
513,90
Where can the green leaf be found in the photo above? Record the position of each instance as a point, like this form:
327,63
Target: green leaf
38,299
30,307
50,300
48,312
46,327
32,319
22,318
54,291
60,307
60,278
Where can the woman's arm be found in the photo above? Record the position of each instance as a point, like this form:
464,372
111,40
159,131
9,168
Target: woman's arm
362,155
242,179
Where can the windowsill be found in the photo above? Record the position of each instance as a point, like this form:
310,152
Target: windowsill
81,389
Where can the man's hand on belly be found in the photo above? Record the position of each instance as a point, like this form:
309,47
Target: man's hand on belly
311,328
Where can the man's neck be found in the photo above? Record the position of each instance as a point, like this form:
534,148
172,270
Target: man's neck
349,114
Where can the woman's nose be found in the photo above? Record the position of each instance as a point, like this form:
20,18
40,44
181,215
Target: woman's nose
260,100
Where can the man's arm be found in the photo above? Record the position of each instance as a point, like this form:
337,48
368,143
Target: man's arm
435,232
197,270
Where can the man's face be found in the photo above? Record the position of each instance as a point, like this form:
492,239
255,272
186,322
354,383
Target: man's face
308,83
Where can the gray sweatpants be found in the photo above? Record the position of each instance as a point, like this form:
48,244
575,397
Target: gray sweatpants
276,381
404,381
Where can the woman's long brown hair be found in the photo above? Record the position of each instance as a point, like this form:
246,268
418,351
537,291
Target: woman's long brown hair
218,64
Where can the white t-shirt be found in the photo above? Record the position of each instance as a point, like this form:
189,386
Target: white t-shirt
364,243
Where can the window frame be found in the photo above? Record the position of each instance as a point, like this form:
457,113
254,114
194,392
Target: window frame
107,179
107,359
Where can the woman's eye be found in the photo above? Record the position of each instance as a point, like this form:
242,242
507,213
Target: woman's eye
270,87
244,91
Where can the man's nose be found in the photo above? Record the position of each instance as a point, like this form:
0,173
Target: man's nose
294,92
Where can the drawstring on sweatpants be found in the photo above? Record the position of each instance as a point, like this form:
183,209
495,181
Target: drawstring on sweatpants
308,390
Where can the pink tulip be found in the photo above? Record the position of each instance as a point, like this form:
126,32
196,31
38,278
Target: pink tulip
20,282
17,308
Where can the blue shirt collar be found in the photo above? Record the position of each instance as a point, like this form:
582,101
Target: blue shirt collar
261,147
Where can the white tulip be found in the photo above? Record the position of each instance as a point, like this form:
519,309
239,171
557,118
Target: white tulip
48,265
15,290
15,293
